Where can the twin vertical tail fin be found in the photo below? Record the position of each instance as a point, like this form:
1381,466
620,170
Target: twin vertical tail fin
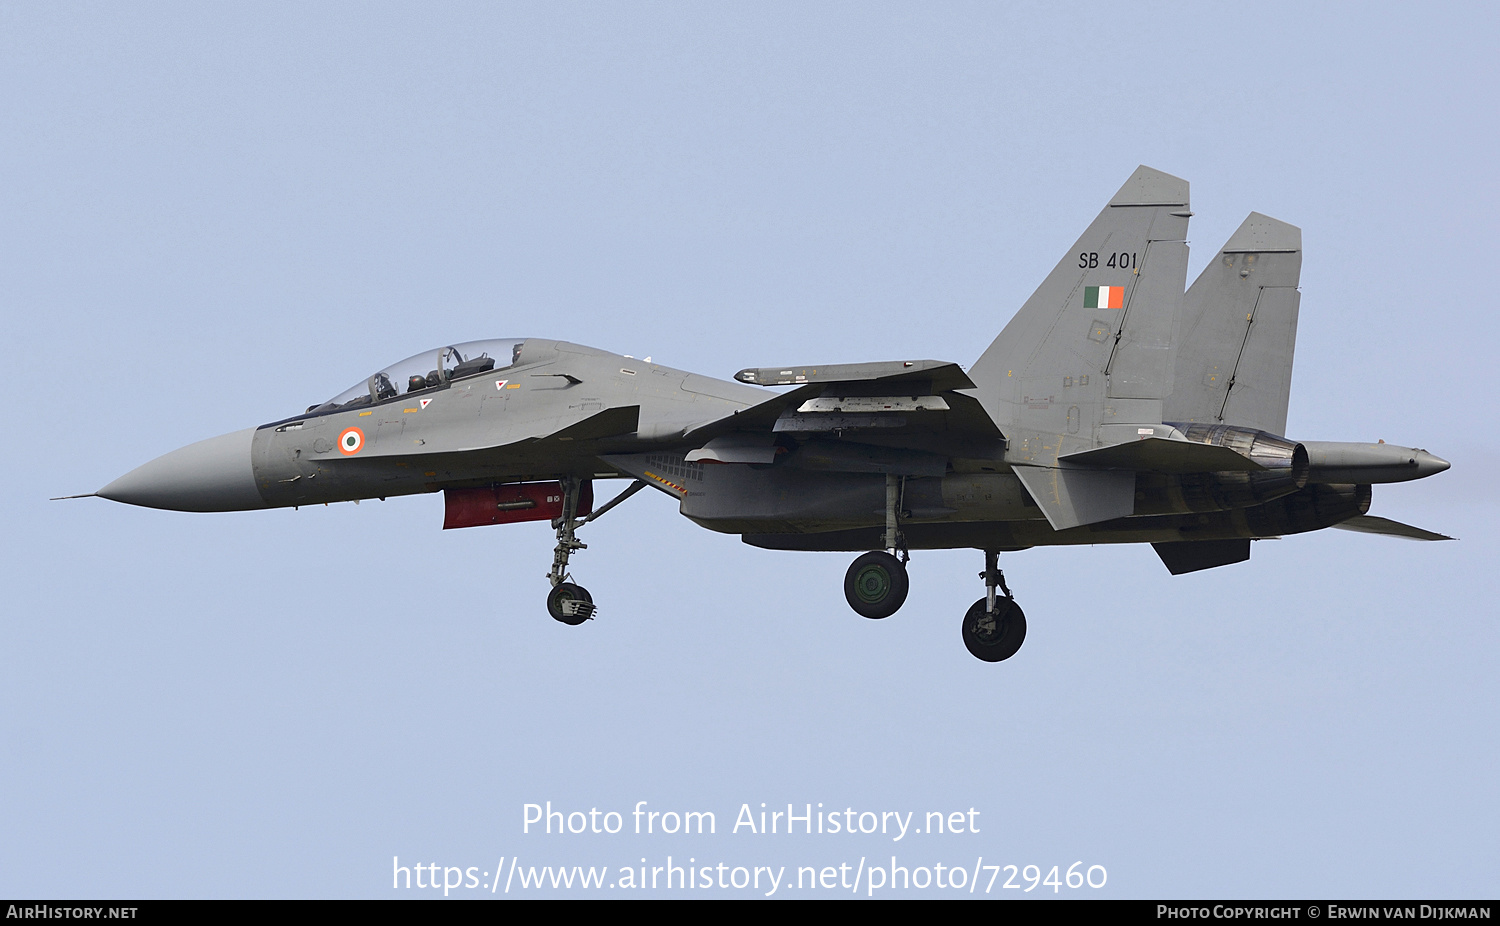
1239,329
1110,369
1089,359
1093,348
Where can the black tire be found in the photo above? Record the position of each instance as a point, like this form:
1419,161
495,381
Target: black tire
567,591
876,585
997,639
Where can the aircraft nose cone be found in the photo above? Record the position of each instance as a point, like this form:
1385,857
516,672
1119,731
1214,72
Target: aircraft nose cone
211,475
1430,464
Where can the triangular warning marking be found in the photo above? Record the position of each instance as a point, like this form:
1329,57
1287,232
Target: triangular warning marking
424,402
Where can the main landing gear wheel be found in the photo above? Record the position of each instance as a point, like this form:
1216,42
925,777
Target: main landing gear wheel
876,585
569,603
994,636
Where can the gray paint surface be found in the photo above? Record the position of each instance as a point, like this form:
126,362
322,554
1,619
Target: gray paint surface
210,475
837,454
217,215
1239,331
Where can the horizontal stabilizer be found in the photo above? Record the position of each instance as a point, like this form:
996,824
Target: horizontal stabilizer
1369,524
1155,455
1193,555
1071,496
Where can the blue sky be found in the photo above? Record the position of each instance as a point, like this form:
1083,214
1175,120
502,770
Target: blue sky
214,216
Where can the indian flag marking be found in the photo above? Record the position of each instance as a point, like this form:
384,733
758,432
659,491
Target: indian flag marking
1104,297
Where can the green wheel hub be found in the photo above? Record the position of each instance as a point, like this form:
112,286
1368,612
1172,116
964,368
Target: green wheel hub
876,584
873,584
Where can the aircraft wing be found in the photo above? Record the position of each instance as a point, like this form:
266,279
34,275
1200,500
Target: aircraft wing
938,373
921,395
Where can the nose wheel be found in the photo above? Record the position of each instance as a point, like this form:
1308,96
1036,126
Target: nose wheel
994,635
572,604
994,627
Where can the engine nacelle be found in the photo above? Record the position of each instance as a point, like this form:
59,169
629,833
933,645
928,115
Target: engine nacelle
1286,471
1312,508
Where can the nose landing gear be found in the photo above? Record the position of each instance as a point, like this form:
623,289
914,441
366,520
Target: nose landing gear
994,628
567,602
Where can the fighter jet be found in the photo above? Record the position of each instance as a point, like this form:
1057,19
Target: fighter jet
1114,407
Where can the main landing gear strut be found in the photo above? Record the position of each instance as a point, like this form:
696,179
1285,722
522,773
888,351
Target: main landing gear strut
567,601
995,627
876,584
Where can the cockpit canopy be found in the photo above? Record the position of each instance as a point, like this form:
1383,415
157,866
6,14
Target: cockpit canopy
431,369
